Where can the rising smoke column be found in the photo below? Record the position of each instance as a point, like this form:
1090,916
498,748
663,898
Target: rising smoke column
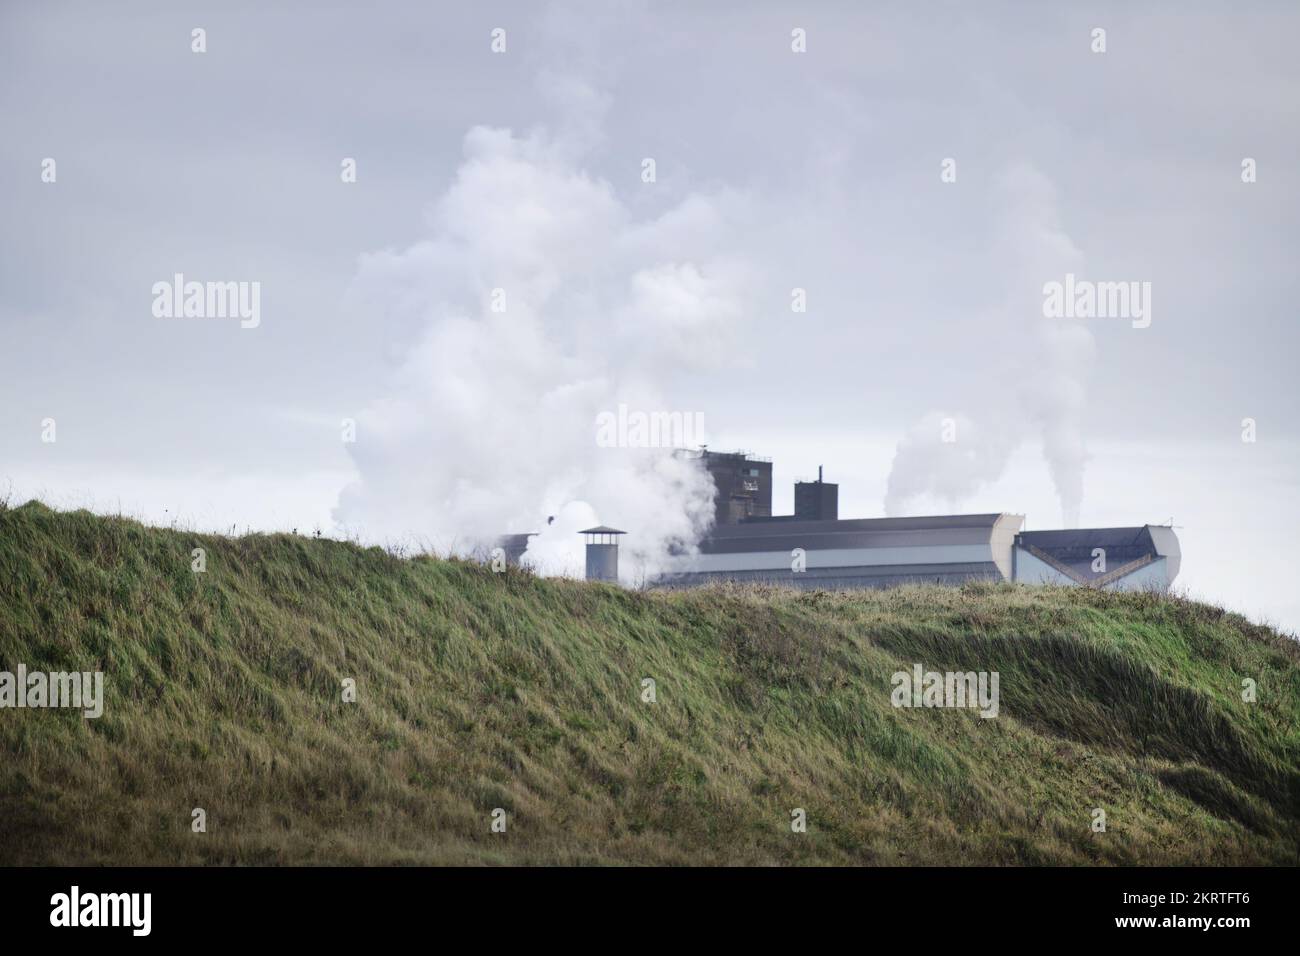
1049,384
543,302
1062,349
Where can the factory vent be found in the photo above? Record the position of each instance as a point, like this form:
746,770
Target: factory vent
602,553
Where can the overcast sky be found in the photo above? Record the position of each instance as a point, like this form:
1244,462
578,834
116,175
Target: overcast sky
774,170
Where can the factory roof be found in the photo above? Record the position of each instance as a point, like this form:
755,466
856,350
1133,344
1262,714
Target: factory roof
854,533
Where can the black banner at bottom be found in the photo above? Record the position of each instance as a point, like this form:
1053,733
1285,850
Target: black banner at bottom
332,906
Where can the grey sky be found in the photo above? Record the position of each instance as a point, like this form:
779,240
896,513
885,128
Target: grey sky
774,170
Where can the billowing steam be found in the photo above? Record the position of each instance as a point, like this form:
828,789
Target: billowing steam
543,302
951,456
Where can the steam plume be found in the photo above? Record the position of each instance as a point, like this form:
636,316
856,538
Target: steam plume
489,426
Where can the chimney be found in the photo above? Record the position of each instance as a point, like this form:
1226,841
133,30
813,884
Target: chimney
602,553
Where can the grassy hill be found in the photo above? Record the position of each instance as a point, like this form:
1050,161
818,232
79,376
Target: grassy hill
479,690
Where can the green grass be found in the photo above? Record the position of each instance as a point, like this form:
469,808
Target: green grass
480,690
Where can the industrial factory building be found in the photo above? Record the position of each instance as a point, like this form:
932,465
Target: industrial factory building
815,548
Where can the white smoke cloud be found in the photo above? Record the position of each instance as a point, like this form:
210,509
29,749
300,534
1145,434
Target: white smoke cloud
490,424
952,470
1048,358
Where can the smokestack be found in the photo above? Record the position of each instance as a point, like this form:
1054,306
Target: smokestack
602,553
